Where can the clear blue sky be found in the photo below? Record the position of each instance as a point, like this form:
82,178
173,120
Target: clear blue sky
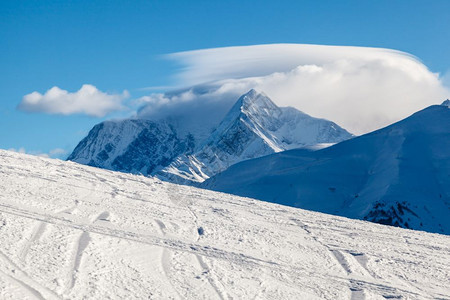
117,45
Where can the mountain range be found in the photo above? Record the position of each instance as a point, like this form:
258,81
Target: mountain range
398,175
253,127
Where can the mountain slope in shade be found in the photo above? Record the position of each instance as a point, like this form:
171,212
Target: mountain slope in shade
69,231
254,127
136,146
398,175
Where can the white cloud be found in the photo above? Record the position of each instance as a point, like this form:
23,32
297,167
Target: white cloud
361,89
87,100
54,153
58,152
19,150
197,109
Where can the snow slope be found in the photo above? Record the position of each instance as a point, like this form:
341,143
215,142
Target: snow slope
69,231
398,175
253,127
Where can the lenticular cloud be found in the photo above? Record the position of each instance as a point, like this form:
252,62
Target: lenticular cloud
360,88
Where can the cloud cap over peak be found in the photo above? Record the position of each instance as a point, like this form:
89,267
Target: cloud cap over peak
205,65
360,88
87,100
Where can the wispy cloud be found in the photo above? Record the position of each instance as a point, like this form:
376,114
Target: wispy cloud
54,153
58,152
87,100
360,88
197,109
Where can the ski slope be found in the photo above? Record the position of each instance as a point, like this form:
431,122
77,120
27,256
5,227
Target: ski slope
69,231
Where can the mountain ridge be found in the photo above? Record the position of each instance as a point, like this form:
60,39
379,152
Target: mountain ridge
253,127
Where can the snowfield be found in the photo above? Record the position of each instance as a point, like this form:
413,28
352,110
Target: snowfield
69,231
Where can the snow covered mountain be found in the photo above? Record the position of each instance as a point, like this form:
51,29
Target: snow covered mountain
69,231
254,127
136,146
398,175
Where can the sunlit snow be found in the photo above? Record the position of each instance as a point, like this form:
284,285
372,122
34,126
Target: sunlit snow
73,231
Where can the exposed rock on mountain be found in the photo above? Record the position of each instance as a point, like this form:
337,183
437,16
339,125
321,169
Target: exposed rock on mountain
253,127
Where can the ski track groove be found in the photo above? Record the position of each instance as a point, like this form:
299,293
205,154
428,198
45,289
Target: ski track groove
208,271
31,284
165,258
355,293
80,245
35,235
165,261
19,282
179,245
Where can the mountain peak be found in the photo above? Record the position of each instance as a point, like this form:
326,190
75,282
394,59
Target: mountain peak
252,93
446,103
253,101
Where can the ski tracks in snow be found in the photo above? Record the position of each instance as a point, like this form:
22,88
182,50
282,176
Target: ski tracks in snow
356,285
211,277
80,245
38,231
207,272
166,257
35,236
162,240
15,274
353,268
362,281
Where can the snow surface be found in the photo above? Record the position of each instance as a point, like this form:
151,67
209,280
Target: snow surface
398,175
69,231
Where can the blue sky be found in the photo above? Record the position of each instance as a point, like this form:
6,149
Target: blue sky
118,45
